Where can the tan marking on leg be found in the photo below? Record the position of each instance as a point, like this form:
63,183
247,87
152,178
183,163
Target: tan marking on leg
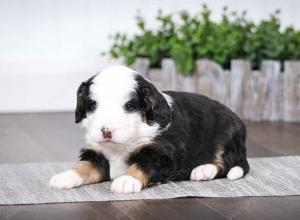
218,158
88,172
135,171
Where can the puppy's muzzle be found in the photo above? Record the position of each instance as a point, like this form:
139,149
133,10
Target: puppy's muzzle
106,133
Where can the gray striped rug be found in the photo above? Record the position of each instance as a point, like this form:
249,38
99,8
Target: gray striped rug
28,184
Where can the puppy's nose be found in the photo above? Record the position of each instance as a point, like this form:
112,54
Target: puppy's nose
106,133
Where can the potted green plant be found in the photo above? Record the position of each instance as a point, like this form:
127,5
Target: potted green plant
238,56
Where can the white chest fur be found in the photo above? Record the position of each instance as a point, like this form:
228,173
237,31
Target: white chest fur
117,155
117,158
118,165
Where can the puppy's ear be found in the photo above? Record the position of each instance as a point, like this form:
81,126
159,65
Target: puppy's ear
156,106
82,100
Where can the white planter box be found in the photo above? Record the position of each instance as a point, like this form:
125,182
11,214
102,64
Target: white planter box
267,94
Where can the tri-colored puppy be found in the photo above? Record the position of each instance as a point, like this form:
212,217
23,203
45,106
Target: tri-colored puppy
137,136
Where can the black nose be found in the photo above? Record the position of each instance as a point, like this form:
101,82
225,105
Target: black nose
106,133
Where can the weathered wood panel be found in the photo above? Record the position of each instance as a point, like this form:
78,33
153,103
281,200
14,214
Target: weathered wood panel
291,91
155,76
215,73
273,97
239,76
173,80
267,94
227,83
255,89
169,74
186,83
141,65
204,85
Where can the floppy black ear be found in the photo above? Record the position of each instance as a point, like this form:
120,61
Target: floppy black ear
156,106
82,100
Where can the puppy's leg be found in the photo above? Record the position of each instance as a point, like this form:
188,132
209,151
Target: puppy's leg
227,165
84,172
91,169
204,172
209,171
134,181
147,166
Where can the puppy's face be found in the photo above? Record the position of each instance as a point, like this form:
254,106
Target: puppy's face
119,107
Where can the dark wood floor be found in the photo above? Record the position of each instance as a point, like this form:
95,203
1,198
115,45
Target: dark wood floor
54,137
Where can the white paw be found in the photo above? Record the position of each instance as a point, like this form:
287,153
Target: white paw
66,180
204,172
235,173
126,184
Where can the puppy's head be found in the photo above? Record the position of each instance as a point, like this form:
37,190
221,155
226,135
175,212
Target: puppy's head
119,107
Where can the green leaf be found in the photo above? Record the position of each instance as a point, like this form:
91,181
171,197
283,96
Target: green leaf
197,36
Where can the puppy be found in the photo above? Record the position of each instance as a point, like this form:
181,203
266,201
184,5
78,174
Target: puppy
137,136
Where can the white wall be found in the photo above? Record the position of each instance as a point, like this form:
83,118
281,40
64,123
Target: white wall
47,47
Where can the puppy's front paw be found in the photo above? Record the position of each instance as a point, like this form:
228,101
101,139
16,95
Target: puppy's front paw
126,184
204,172
66,180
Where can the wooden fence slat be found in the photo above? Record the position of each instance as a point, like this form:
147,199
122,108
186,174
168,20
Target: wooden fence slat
155,76
175,81
169,74
272,106
291,91
141,66
255,89
215,73
227,83
186,83
240,74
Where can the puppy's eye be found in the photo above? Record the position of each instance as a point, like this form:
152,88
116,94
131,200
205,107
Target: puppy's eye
130,106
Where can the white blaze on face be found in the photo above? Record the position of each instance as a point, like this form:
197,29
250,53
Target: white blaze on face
112,89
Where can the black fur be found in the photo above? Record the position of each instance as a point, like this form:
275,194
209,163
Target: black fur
198,127
84,103
98,160
155,106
